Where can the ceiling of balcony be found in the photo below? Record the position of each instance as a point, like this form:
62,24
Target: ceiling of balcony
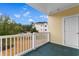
51,8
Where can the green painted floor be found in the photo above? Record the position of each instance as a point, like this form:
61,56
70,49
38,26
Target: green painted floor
51,49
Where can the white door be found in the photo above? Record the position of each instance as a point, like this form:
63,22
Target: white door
71,31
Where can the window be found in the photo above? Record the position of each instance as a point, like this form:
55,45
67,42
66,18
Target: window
41,29
45,25
45,29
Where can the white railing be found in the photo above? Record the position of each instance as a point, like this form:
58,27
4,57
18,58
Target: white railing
21,43
40,39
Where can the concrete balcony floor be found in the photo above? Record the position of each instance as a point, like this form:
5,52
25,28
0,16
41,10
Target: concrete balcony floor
51,49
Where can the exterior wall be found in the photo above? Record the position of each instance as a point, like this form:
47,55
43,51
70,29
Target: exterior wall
55,24
41,27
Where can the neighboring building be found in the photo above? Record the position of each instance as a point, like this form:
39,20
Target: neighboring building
41,26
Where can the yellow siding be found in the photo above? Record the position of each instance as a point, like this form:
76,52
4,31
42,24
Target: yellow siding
55,24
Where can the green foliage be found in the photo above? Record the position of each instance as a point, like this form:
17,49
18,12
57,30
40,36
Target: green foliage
33,30
10,27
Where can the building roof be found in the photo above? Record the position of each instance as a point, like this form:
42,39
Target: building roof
40,22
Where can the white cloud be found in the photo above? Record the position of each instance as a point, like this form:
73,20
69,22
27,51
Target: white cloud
43,16
17,15
31,20
26,13
23,14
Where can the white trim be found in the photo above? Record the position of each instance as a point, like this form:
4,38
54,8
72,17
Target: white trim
78,31
63,35
63,30
63,45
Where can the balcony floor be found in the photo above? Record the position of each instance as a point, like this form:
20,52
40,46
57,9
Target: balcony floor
51,49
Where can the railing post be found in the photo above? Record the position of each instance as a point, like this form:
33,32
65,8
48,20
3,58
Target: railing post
48,36
30,40
33,41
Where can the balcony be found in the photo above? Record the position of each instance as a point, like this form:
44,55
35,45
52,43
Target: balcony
33,44
20,44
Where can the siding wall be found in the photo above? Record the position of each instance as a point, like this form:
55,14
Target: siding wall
55,24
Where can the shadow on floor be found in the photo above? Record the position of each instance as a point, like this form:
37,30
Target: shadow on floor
51,49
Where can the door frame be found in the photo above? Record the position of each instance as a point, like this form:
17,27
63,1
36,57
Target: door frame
63,33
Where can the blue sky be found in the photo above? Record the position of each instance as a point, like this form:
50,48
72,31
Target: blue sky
22,13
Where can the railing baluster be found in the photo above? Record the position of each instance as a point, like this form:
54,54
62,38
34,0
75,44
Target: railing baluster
20,43
14,46
6,46
23,43
1,46
33,42
30,40
27,42
17,45
10,46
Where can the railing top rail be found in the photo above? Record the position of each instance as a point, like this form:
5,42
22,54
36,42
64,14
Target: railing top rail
42,32
22,34
10,36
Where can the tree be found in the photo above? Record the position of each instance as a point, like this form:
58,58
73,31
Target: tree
10,27
4,25
29,28
33,30
7,27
